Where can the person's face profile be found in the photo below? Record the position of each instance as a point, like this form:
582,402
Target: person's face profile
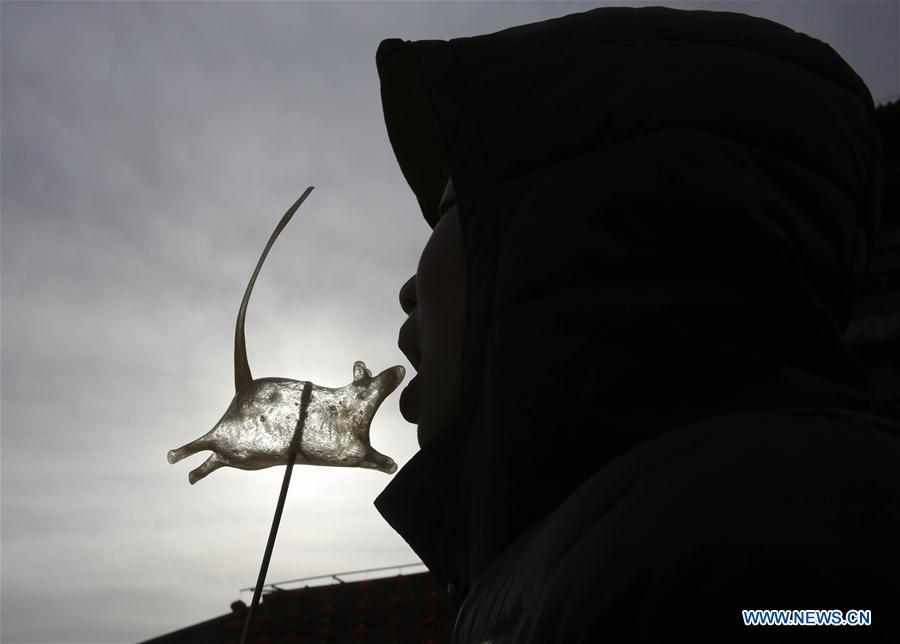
432,336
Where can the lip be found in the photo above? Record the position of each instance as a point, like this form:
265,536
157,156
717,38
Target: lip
409,401
408,342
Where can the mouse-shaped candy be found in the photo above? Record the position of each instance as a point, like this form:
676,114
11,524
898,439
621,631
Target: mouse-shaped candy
257,428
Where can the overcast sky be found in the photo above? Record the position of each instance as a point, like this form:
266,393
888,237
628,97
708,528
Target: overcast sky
148,149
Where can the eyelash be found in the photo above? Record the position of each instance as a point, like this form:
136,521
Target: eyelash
448,206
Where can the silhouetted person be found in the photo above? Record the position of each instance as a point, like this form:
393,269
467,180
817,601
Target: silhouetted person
636,410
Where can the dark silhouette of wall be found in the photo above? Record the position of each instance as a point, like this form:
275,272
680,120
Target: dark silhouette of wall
406,609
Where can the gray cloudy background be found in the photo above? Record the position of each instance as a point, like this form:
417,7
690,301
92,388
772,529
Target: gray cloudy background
148,149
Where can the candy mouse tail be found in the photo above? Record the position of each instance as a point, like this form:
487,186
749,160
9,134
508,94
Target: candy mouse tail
242,375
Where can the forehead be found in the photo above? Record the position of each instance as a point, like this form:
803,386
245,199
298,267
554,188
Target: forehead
445,243
443,250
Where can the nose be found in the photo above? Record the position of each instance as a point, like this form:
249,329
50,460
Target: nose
408,300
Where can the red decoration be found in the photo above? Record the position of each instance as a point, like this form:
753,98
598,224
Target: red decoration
328,612
361,632
325,633
396,625
363,609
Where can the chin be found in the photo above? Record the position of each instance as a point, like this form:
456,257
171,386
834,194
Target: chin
425,434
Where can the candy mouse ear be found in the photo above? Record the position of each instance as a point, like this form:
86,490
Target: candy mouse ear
360,371
242,375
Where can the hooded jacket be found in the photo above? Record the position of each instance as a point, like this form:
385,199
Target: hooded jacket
666,217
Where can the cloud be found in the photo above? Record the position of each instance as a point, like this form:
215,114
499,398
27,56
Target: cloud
148,149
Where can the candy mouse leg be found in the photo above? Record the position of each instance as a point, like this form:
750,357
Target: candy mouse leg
201,444
214,462
377,461
295,448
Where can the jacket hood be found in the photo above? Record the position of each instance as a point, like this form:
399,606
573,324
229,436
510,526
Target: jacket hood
666,216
